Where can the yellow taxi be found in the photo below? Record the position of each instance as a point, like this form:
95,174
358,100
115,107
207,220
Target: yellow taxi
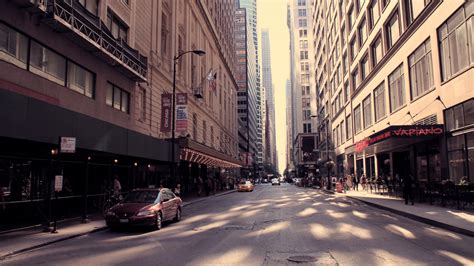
245,186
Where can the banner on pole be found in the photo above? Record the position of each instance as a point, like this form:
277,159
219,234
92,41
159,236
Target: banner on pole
166,112
181,112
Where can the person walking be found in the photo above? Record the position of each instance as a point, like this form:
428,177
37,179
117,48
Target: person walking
407,189
117,187
355,181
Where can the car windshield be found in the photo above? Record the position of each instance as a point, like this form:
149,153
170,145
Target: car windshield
141,196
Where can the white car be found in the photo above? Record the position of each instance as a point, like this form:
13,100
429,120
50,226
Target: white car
275,181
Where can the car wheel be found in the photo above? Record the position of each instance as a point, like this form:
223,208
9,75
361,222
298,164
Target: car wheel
158,221
177,218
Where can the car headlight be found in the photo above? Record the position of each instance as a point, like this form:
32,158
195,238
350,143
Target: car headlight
111,213
145,213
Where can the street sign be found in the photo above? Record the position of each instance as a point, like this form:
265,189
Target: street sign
58,183
67,145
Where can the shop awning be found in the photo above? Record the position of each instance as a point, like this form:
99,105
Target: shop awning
396,136
192,151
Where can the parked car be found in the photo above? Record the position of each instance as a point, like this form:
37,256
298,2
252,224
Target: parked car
275,181
145,207
245,186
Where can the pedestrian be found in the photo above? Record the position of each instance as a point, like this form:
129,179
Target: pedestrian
117,187
407,183
199,185
177,190
355,180
208,186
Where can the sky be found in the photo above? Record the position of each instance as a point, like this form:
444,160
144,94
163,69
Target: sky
271,14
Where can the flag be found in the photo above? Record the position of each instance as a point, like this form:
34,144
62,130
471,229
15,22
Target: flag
212,81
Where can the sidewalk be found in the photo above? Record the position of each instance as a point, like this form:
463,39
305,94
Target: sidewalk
25,240
458,221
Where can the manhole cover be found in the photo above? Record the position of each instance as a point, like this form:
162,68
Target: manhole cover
302,259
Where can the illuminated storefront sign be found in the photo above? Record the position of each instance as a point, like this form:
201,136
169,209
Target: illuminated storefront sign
400,132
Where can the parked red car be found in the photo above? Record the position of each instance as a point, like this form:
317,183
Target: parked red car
145,207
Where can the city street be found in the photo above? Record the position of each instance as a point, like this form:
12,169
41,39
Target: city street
265,227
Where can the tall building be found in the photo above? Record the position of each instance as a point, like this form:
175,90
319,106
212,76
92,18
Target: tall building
100,74
289,131
248,107
270,138
251,8
393,81
303,93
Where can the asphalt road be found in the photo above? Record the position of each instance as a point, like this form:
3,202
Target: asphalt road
265,227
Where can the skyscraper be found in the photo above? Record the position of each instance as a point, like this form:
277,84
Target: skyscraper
270,142
251,9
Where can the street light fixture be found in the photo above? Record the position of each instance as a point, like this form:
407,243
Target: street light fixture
173,122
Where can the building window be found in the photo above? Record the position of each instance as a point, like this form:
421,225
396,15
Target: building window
302,12
303,55
302,23
392,29
377,50
379,102
91,6
367,106
79,79
355,78
306,102
396,89
343,36
304,44
460,145
117,98
48,64
349,127
13,46
362,30
141,103
347,92
456,41
414,8
195,126
303,33
343,132
421,70
353,49
117,27
305,78
364,67
345,63
301,2
204,131
351,17
306,128
306,114
374,11
357,120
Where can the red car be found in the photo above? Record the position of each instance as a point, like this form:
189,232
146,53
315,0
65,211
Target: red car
145,207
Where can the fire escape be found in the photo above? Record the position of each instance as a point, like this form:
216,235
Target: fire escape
88,31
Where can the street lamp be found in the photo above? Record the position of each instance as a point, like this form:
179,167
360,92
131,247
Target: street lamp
173,122
328,159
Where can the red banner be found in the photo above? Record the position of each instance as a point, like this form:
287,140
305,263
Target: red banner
166,112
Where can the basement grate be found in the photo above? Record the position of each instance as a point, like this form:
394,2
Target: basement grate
299,258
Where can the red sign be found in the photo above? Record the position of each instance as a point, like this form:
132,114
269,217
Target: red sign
400,132
361,145
166,112
418,131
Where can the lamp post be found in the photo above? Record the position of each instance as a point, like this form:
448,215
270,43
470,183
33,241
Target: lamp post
173,107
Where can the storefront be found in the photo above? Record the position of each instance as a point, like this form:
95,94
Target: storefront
460,141
398,151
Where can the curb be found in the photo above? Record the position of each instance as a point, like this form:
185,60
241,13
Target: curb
445,226
23,250
209,197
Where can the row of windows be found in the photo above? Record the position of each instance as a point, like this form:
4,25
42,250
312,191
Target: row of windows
17,48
